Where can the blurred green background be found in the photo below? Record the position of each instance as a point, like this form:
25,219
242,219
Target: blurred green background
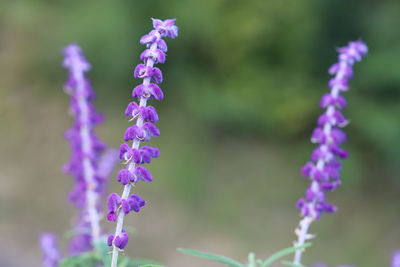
242,85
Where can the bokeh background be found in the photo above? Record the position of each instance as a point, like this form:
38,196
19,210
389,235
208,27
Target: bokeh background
242,85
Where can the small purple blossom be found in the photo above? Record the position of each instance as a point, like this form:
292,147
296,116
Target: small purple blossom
148,91
51,255
395,259
121,240
143,130
166,28
323,169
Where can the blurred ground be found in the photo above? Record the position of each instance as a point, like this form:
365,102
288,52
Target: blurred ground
242,86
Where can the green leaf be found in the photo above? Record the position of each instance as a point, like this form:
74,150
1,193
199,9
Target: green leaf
283,253
291,264
214,257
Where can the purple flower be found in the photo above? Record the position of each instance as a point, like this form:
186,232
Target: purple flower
141,173
84,165
323,170
395,259
157,55
151,90
121,240
124,176
114,201
143,130
49,246
134,202
166,28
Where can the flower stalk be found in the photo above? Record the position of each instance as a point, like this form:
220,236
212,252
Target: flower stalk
324,168
142,130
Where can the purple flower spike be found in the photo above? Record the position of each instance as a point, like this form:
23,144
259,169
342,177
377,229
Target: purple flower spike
89,170
51,254
324,168
328,135
143,130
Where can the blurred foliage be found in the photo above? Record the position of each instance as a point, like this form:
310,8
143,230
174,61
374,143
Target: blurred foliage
255,67
242,87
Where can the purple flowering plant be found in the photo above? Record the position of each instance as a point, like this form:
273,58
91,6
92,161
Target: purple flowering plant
91,163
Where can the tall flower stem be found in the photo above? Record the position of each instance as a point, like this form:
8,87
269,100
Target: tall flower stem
324,168
142,130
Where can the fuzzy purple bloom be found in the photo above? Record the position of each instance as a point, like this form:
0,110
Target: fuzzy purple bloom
323,169
395,259
143,130
51,255
151,90
120,241
89,176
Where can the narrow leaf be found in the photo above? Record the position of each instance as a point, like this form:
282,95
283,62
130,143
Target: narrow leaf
214,257
283,253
